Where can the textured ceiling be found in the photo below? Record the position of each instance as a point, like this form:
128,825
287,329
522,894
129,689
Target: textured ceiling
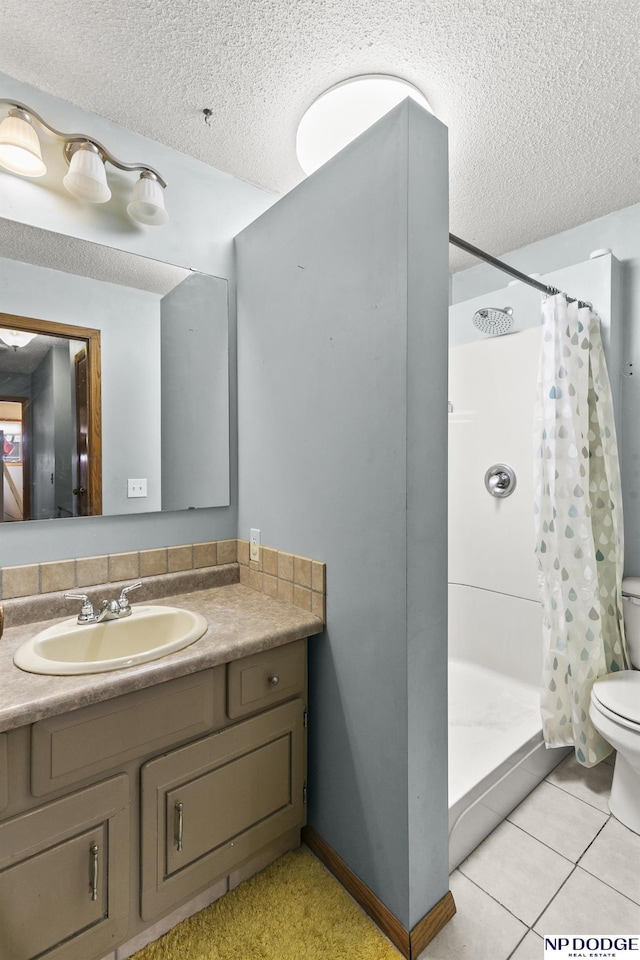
541,97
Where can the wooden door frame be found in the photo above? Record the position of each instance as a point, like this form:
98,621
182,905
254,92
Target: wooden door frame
82,503
52,328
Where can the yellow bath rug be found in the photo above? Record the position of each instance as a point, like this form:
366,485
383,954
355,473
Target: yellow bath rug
293,910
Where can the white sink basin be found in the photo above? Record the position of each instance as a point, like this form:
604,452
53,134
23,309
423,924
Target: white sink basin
147,634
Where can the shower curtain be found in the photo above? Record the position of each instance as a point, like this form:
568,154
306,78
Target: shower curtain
579,534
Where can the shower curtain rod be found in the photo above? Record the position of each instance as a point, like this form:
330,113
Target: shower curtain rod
500,265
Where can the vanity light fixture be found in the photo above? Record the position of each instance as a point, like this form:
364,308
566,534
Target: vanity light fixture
345,111
16,338
20,152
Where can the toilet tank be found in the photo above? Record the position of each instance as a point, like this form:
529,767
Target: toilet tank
631,612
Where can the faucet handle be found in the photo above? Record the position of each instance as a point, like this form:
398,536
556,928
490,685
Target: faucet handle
123,601
86,614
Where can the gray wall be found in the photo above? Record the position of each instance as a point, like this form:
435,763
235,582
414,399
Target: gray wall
207,208
195,393
52,435
620,231
63,416
43,454
342,325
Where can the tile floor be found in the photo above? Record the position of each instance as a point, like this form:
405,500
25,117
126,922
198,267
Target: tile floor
560,863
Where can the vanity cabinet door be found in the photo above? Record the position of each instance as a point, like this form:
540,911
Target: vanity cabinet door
211,805
64,876
99,738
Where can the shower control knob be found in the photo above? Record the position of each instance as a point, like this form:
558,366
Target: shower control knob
500,480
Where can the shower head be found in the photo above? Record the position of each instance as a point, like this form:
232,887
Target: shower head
493,320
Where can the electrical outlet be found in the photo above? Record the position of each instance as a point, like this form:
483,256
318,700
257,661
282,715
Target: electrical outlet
254,544
136,488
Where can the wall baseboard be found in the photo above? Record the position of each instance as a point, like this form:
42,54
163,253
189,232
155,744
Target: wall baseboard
410,943
431,924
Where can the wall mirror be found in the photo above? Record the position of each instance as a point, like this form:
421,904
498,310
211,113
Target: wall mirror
119,402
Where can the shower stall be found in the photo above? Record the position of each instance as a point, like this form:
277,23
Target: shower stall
496,751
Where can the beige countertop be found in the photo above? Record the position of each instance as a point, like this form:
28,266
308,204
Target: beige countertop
241,622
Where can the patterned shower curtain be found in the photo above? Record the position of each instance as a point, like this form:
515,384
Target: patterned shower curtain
579,534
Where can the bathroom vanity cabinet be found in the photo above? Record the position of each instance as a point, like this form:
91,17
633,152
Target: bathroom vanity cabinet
113,815
209,805
64,875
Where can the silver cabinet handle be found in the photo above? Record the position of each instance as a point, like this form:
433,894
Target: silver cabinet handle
274,680
94,871
179,826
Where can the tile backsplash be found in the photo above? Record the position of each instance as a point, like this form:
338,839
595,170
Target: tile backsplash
285,576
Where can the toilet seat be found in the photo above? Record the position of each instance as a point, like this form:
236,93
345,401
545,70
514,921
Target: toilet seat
617,696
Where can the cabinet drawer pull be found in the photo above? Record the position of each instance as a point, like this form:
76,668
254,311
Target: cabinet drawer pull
94,871
179,826
274,680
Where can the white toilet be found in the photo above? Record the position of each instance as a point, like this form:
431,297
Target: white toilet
615,713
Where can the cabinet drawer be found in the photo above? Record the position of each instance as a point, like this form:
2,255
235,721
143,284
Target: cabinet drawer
94,739
264,679
65,867
4,773
208,806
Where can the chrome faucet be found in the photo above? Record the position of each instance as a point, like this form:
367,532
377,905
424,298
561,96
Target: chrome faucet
109,609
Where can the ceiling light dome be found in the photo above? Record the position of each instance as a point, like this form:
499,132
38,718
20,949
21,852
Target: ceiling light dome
345,111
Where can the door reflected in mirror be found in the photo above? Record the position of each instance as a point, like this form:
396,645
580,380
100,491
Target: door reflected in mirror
50,416
162,435
15,492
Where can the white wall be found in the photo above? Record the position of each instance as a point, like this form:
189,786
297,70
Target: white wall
342,316
619,231
492,389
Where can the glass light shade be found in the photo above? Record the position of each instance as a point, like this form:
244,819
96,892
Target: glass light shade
345,111
147,202
87,177
16,338
20,148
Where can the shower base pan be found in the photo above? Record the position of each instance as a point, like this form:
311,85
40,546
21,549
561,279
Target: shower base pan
496,752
